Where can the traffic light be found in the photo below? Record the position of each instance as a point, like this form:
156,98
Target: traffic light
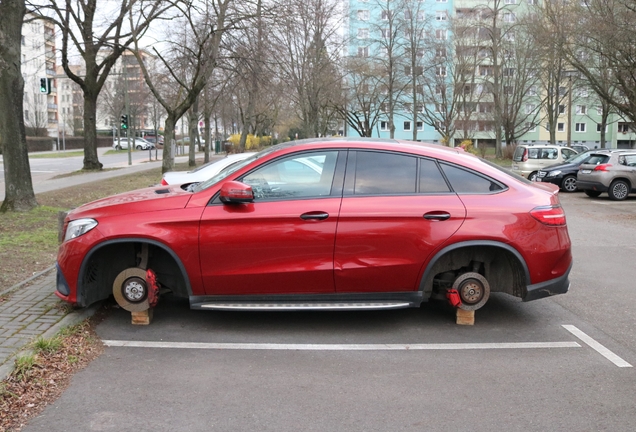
124,121
45,85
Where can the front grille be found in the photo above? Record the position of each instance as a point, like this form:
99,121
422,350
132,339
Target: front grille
541,174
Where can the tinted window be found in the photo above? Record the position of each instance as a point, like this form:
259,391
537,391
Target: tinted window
630,160
298,176
384,173
431,179
464,181
598,159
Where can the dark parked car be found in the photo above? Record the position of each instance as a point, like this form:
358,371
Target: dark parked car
564,175
324,224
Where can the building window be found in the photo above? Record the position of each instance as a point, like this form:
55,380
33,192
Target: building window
509,17
386,14
421,16
363,51
363,33
509,72
561,109
598,127
386,32
579,127
442,1
532,2
363,14
532,91
582,93
420,126
440,34
511,1
530,108
581,109
440,52
441,15
384,125
407,126
531,127
560,127
440,71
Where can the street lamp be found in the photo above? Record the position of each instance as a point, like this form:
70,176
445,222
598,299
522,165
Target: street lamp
569,74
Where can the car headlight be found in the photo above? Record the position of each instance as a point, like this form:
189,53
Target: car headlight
553,173
79,227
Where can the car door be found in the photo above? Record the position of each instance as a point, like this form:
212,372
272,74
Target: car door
283,242
396,210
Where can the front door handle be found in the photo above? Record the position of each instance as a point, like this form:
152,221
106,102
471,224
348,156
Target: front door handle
317,215
437,215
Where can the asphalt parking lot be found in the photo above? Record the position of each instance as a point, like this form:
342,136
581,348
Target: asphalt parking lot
559,364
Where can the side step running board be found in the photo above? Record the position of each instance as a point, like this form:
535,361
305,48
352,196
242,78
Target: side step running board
298,306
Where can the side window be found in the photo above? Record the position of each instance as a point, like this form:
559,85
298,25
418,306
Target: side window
630,160
299,176
431,179
464,181
567,153
384,173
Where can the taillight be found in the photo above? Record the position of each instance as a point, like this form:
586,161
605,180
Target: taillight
525,155
602,167
549,215
164,182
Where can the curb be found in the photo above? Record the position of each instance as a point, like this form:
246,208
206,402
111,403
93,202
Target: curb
67,321
26,281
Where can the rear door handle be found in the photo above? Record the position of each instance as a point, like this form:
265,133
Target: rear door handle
437,215
317,215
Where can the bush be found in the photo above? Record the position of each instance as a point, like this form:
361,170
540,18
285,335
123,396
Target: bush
467,145
509,151
252,143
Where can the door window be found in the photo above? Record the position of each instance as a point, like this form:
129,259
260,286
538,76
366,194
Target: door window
380,173
299,176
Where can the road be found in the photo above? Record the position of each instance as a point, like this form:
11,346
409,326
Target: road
556,364
45,170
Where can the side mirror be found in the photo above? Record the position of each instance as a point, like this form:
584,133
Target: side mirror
234,192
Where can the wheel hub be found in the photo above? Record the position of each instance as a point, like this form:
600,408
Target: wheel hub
473,290
134,289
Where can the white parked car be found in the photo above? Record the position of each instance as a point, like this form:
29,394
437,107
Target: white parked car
205,171
140,144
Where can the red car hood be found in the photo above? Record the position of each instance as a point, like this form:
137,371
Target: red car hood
137,201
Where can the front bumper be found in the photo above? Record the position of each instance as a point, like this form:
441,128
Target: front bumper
549,288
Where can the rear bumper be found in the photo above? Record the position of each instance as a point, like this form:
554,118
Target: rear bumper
549,288
589,185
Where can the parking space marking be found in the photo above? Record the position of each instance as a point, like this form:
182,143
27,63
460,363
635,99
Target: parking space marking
339,347
597,346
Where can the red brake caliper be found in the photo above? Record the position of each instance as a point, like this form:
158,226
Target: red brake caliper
153,288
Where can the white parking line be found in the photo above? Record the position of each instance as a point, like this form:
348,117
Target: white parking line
339,347
597,346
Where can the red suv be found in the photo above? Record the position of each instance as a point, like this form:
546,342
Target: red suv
324,224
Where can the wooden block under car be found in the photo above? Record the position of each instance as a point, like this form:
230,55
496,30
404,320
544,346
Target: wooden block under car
465,317
142,318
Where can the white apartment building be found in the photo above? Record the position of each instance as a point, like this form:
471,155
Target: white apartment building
38,61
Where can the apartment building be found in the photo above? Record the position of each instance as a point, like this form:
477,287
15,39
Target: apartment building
455,59
38,62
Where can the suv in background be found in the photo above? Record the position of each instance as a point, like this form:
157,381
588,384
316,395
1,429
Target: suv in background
613,172
529,159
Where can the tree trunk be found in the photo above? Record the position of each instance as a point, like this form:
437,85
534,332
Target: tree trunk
19,195
192,133
168,143
208,138
91,161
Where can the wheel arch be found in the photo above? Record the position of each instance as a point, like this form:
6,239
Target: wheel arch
96,276
501,255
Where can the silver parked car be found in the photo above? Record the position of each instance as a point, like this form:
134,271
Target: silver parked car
613,172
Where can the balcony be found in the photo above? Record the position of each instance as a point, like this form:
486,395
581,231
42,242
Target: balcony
52,106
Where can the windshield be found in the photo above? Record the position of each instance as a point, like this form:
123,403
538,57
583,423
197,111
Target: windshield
233,168
580,158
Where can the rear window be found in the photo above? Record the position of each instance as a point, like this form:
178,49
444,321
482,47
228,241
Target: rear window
518,156
598,159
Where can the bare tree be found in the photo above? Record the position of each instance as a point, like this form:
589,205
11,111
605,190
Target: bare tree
188,61
362,96
98,32
19,195
306,36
